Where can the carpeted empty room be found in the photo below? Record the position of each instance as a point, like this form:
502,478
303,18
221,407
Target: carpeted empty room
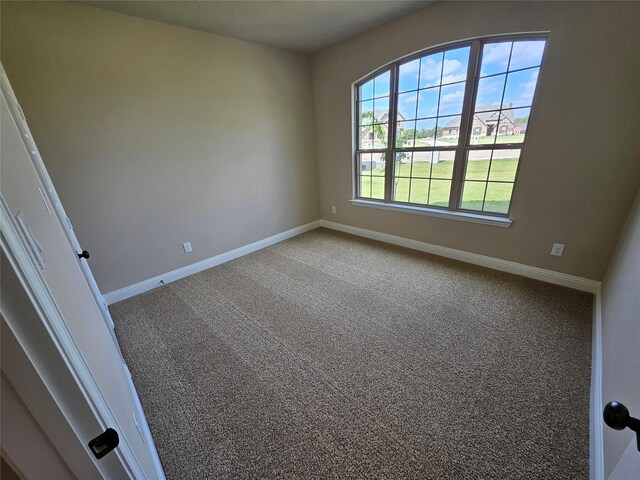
333,356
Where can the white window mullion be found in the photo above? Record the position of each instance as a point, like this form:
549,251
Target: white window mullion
466,123
390,155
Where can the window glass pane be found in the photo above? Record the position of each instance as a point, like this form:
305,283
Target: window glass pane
455,66
507,126
442,164
373,136
381,84
366,112
489,93
513,125
364,186
428,102
366,91
425,132
419,190
430,70
526,54
520,88
498,197
402,167
371,167
407,105
499,168
516,121
473,195
381,109
405,132
484,128
478,165
421,165
371,163
451,98
439,193
401,189
380,135
377,188
366,137
378,163
448,130
364,163
408,76
495,58
504,165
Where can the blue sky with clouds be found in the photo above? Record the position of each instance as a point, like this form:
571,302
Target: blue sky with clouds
434,85
520,85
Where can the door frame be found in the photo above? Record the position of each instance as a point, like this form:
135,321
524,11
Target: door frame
15,248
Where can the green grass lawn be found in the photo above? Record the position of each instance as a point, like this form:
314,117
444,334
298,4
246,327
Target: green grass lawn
434,188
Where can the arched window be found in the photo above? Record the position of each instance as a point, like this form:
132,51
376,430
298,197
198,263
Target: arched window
431,129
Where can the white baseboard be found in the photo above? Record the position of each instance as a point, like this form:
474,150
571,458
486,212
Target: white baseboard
571,281
596,433
151,283
549,276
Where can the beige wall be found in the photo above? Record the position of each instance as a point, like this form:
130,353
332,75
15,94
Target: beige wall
621,336
155,135
580,168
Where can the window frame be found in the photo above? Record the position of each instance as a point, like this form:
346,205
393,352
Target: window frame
454,208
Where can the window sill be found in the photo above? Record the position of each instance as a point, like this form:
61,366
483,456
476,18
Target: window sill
433,212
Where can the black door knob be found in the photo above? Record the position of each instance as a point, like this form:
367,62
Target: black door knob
84,254
616,416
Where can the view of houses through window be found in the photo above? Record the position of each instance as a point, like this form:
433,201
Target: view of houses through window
417,119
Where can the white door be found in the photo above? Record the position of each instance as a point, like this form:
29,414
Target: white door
25,197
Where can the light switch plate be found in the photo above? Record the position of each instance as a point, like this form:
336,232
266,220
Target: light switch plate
187,247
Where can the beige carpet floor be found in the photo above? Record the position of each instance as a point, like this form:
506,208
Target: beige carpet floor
331,356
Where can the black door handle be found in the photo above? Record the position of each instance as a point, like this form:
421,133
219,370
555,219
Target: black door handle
616,416
104,443
84,254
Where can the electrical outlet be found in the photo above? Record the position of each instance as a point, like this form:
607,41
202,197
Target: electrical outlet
557,249
333,209
187,247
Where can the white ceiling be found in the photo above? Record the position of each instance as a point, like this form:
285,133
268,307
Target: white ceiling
299,25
